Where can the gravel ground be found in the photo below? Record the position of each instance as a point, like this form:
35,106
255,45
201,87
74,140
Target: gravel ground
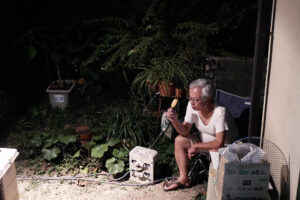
73,190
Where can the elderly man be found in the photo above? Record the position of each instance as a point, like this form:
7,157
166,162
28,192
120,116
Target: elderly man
210,119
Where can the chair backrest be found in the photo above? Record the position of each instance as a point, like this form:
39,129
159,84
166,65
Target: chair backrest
238,107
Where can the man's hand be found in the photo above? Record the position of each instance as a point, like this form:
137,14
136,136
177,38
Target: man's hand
191,152
172,115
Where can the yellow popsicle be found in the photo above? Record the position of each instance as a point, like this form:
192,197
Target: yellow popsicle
174,102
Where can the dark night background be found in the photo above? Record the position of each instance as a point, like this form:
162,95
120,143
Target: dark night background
23,82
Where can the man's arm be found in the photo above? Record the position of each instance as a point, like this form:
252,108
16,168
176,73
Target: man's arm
182,128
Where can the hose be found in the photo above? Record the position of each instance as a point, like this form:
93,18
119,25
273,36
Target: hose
161,133
22,178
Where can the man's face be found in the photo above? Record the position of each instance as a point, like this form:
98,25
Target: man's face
195,98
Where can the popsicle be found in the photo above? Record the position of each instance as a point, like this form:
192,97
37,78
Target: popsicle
174,102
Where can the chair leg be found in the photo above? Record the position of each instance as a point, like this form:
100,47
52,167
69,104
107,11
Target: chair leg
204,168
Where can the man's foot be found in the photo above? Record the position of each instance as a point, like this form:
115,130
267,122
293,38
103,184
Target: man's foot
174,185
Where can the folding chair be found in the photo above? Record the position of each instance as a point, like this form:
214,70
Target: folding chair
202,168
239,109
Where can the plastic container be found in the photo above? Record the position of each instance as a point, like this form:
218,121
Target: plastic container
60,97
8,182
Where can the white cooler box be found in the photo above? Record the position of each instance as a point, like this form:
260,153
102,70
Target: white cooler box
141,163
8,182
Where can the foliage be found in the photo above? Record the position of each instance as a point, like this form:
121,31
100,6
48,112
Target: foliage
50,154
44,117
162,29
126,43
139,33
148,41
99,150
125,122
114,166
58,49
116,163
166,157
50,145
168,69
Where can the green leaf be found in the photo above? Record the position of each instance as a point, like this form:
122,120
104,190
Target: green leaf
67,139
97,137
114,166
36,140
34,111
88,145
120,153
113,142
50,154
77,154
45,135
30,53
49,142
99,150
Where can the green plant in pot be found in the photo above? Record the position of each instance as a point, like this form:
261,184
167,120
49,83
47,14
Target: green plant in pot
165,73
58,52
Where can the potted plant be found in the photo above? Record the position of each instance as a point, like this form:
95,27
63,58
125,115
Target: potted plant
60,89
165,73
60,54
59,92
85,134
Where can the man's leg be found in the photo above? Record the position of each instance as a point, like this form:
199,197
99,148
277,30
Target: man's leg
182,144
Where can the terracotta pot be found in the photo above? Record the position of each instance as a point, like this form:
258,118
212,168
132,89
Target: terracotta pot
85,137
84,133
179,92
166,89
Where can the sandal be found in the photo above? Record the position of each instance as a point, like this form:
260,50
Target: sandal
177,184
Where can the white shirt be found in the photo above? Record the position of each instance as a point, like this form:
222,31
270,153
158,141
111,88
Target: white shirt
220,122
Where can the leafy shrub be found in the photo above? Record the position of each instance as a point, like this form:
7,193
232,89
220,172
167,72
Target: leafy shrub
126,122
51,145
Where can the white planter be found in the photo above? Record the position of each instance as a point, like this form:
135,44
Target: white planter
58,97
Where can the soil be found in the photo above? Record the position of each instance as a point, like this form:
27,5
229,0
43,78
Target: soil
80,189
60,87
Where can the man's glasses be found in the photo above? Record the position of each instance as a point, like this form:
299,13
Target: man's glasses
198,100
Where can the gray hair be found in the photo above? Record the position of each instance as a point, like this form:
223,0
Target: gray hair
208,89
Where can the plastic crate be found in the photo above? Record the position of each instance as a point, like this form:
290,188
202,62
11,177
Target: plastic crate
60,98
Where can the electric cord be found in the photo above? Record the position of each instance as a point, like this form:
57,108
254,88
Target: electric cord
109,181
165,124
151,100
161,133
